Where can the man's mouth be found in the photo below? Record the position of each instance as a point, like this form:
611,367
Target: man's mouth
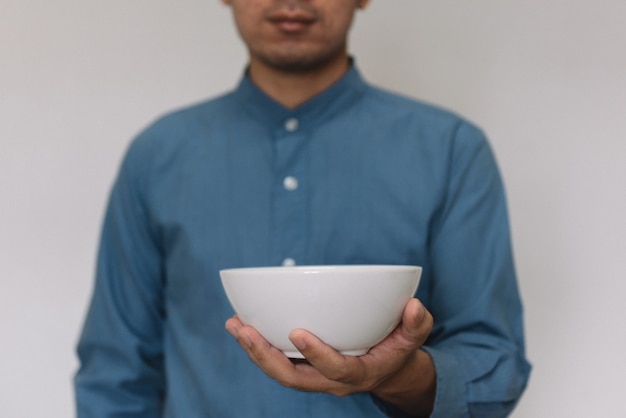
291,21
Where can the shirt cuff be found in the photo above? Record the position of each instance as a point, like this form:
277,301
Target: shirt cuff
450,398
389,410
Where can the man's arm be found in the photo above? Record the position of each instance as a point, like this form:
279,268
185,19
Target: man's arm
120,349
477,342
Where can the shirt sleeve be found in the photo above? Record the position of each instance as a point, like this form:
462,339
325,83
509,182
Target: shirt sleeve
477,343
120,348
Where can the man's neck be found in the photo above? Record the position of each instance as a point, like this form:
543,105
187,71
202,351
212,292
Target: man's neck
291,88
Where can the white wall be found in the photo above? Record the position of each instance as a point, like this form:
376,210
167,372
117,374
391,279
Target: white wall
544,78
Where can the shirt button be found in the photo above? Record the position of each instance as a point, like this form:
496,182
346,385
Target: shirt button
288,262
291,125
290,183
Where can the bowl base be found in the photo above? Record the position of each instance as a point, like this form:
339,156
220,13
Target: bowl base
356,353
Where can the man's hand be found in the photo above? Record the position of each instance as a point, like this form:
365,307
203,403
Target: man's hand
395,370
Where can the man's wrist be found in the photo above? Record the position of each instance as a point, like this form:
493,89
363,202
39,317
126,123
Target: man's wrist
411,390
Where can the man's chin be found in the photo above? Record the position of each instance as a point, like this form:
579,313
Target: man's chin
298,63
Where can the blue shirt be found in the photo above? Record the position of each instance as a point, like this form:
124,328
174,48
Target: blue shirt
355,175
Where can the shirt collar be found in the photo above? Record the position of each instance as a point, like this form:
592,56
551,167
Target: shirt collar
323,106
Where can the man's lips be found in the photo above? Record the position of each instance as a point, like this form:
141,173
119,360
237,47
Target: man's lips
291,21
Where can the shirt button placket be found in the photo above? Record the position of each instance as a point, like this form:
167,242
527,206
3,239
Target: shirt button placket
290,207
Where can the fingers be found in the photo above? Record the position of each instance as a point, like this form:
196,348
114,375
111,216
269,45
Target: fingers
320,374
233,325
251,341
261,352
328,370
329,362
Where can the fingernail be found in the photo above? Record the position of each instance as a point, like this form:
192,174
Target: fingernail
421,311
246,340
232,331
299,343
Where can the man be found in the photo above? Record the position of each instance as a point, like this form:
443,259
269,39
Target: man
302,163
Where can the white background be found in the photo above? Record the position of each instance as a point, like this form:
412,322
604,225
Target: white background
545,79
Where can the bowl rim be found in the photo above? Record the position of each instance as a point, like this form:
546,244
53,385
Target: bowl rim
325,268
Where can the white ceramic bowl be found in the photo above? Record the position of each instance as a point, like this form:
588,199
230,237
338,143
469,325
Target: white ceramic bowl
351,308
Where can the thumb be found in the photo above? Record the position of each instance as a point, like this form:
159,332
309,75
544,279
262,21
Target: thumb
417,322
